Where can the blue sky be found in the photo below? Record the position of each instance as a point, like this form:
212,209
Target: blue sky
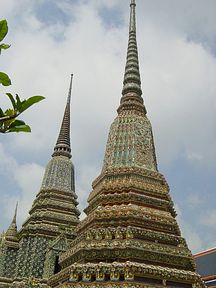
177,51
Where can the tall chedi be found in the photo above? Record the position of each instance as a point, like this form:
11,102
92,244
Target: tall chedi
30,256
130,237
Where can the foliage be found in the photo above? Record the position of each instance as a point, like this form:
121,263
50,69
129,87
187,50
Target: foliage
8,118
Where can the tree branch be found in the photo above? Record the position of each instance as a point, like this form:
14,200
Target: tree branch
7,118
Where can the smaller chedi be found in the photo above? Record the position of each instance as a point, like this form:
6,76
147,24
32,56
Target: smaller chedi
30,256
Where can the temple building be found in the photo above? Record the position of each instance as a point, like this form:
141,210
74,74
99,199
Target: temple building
30,256
206,266
129,238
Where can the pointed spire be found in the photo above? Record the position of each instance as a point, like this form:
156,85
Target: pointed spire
15,214
62,147
132,83
11,234
132,27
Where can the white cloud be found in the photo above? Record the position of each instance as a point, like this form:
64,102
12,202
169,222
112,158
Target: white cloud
7,163
208,218
24,179
28,176
193,239
193,156
194,200
185,75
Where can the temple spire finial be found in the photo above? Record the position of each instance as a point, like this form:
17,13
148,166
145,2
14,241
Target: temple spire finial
62,147
133,17
132,92
132,82
70,90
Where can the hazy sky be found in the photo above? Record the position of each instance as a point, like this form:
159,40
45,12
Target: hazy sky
177,49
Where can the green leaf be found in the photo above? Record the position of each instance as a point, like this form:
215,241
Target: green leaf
17,123
13,101
29,102
19,103
1,113
9,112
4,46
19,128
3,29
4,79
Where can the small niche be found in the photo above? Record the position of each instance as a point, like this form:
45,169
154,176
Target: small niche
57,267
